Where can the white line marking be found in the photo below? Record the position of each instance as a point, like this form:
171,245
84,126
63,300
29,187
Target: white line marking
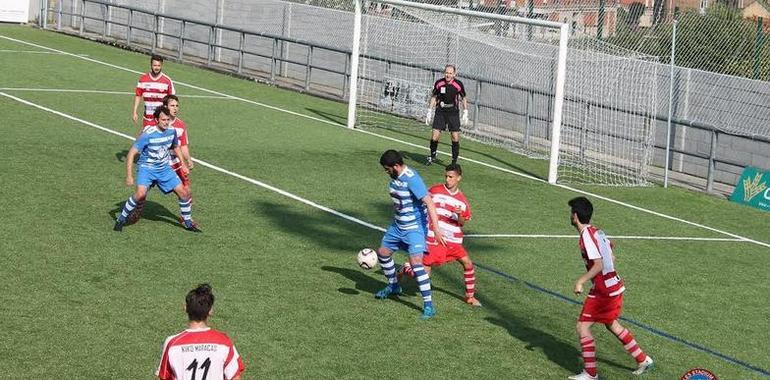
411,144
324,208
535,236
35,52
206,164
101,92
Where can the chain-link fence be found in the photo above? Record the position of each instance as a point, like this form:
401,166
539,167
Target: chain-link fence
718,91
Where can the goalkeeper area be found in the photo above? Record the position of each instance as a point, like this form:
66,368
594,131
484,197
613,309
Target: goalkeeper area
286,196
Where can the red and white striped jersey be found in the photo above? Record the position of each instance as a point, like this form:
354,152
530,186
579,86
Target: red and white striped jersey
595,245
199,354
153,90
446,203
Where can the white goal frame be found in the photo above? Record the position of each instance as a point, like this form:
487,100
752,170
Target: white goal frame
561,68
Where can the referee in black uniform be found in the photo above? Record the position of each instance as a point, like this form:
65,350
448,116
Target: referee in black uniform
444,112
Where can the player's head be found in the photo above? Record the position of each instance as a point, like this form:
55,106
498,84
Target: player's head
453,174
581,210
156,64
162,116
199,302
449,72
392,162
172,102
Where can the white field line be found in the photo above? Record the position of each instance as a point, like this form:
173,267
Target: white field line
35,52
203,163
761,243
322,207
619,237
68,90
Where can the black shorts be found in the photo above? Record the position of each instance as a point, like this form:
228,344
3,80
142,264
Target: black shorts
443,120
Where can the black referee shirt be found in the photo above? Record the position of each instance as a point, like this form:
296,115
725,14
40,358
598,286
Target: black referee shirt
448,94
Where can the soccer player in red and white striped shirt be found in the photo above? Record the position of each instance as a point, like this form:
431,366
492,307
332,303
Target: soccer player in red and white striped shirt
199,352
152,88
605,299
453,212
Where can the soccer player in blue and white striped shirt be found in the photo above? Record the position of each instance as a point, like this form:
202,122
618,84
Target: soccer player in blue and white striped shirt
413,205
153,147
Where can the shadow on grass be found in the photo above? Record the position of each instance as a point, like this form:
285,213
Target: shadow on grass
153,211
556,350
366,284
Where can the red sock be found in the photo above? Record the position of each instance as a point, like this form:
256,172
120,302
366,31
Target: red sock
588,348
629,343
470,282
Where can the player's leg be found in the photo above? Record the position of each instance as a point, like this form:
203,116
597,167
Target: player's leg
185,208
469,274
439,124
454,129
130,205
415,240
643,361
390,243
587,350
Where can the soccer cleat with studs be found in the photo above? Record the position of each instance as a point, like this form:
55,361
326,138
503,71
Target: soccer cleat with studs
191,226
118,225
644,366
473,301
583,376
390,290
428,312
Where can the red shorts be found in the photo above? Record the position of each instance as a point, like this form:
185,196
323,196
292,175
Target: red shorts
601,309
184,177
439,254
146,122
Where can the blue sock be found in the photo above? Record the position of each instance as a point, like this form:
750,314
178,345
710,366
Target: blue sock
185,208
388,268
423,282
127,208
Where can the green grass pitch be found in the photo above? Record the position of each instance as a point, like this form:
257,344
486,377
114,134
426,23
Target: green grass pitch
81,301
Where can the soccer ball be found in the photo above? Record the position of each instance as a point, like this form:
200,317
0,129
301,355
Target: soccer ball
367,258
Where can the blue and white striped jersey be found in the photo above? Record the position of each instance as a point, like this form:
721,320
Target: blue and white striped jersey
407,192
154,147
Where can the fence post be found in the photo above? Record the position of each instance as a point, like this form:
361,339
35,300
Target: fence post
181,41
155,34
345,76
273,60
210,47
758,48
712,164
128,32
528,124
240,52
104,27
58,15
476,103
43,22
82,17
309,70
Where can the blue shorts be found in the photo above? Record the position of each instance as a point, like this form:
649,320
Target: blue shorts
166,179
412,241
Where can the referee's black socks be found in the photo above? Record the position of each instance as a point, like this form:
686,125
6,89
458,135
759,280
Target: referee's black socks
433,148
455,151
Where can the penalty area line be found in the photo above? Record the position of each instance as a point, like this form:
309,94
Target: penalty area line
617,237
107,92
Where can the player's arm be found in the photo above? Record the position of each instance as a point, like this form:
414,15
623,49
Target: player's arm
130,165
433,216
178,153
134,115
595,270
186,156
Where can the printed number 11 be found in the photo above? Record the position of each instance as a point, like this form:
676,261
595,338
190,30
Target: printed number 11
194,368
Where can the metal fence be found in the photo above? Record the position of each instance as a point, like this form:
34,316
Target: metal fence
280,44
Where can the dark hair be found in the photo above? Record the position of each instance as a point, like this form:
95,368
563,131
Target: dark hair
454,168
161,110
156,57
199,302
168,98
391,158
582,207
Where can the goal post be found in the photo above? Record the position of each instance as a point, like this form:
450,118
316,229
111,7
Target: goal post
533,86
